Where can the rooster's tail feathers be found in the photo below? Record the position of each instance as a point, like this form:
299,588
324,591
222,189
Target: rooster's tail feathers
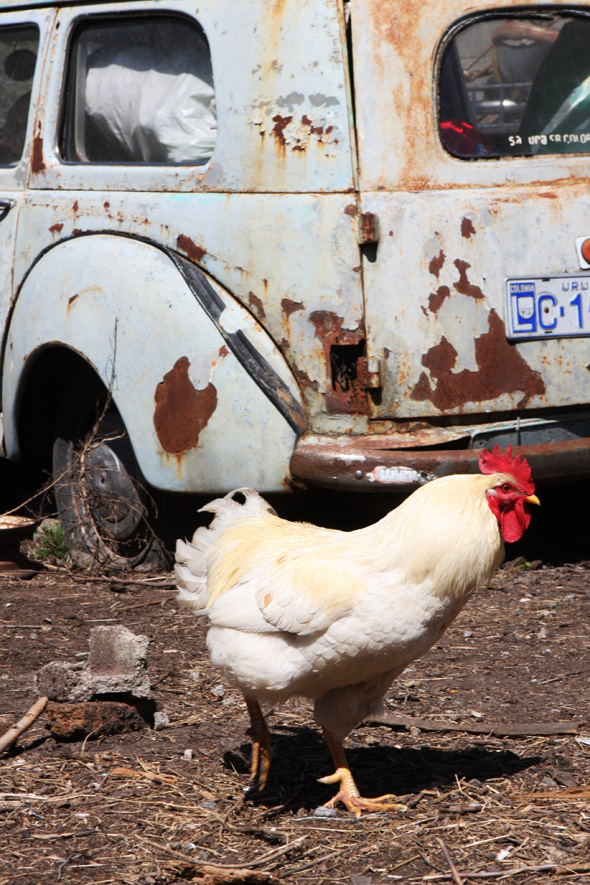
190,570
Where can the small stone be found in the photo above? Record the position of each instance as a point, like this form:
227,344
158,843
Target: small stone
324,811
161,720
468,634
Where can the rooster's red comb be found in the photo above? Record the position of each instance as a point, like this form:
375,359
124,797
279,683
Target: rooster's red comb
495,462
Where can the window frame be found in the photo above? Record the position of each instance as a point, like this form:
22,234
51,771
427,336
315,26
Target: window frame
70,101
448,42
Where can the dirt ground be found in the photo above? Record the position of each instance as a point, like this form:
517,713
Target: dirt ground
168,805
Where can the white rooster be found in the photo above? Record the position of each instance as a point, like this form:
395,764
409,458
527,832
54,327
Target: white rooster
334,616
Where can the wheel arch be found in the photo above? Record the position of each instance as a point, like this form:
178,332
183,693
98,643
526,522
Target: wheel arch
200,386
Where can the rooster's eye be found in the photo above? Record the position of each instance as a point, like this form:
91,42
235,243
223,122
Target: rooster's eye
506,487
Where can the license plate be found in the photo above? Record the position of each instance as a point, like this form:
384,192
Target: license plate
548,307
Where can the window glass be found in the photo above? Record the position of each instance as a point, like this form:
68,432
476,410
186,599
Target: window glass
517,86
140,91
18,56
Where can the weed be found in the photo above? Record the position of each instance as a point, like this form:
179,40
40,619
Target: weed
50,541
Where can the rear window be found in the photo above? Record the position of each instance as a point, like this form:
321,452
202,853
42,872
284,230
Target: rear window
516,86
139,91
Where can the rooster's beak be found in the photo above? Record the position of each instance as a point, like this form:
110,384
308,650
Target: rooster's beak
532,499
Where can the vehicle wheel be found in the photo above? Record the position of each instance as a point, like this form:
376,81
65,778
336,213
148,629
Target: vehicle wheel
106,511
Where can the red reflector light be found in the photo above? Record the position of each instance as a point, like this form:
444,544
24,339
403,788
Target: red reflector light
585,250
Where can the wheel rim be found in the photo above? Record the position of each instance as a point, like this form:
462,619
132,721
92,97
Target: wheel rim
110,487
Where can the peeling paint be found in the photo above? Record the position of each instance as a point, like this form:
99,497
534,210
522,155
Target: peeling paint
257,306
289,306
278,130
467,228
181,412
437,298
37,161
436,264
501,369
190,248
464,286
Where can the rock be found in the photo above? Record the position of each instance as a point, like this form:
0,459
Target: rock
118,661
71,721
117,664
60,681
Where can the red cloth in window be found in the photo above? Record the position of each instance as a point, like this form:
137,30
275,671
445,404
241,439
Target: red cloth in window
463,140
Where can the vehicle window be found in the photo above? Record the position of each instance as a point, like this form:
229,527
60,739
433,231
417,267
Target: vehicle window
18,55
516,86
139,91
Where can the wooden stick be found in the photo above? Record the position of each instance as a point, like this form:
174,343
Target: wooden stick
12,735
536,729
515,871
456,877
110,579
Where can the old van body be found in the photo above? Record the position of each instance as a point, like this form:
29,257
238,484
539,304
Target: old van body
280,244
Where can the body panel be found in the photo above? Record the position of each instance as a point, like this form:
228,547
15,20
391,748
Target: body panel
164,376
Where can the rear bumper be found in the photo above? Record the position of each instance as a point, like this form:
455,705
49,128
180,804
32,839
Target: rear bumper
372,463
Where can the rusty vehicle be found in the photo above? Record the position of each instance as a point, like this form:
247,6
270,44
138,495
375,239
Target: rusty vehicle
289,243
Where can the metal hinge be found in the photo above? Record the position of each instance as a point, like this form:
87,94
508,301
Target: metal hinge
369,228
369,372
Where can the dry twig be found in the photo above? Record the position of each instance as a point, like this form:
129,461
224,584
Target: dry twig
534,729
13,734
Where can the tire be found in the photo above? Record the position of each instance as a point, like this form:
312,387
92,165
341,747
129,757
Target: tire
106,510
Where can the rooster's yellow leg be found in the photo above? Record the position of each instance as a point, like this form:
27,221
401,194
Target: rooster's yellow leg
260,735
348,793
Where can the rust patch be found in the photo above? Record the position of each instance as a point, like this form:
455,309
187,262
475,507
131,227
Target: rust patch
190,248
467,228
257,306
351,210
304,381
289,306
37,162
71,300
56,228
437,298
182,412
436,264
223,351
326,323
328,327
501,370
464,286
279,128
75,207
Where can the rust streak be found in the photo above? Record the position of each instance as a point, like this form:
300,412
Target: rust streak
181,412
56,228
